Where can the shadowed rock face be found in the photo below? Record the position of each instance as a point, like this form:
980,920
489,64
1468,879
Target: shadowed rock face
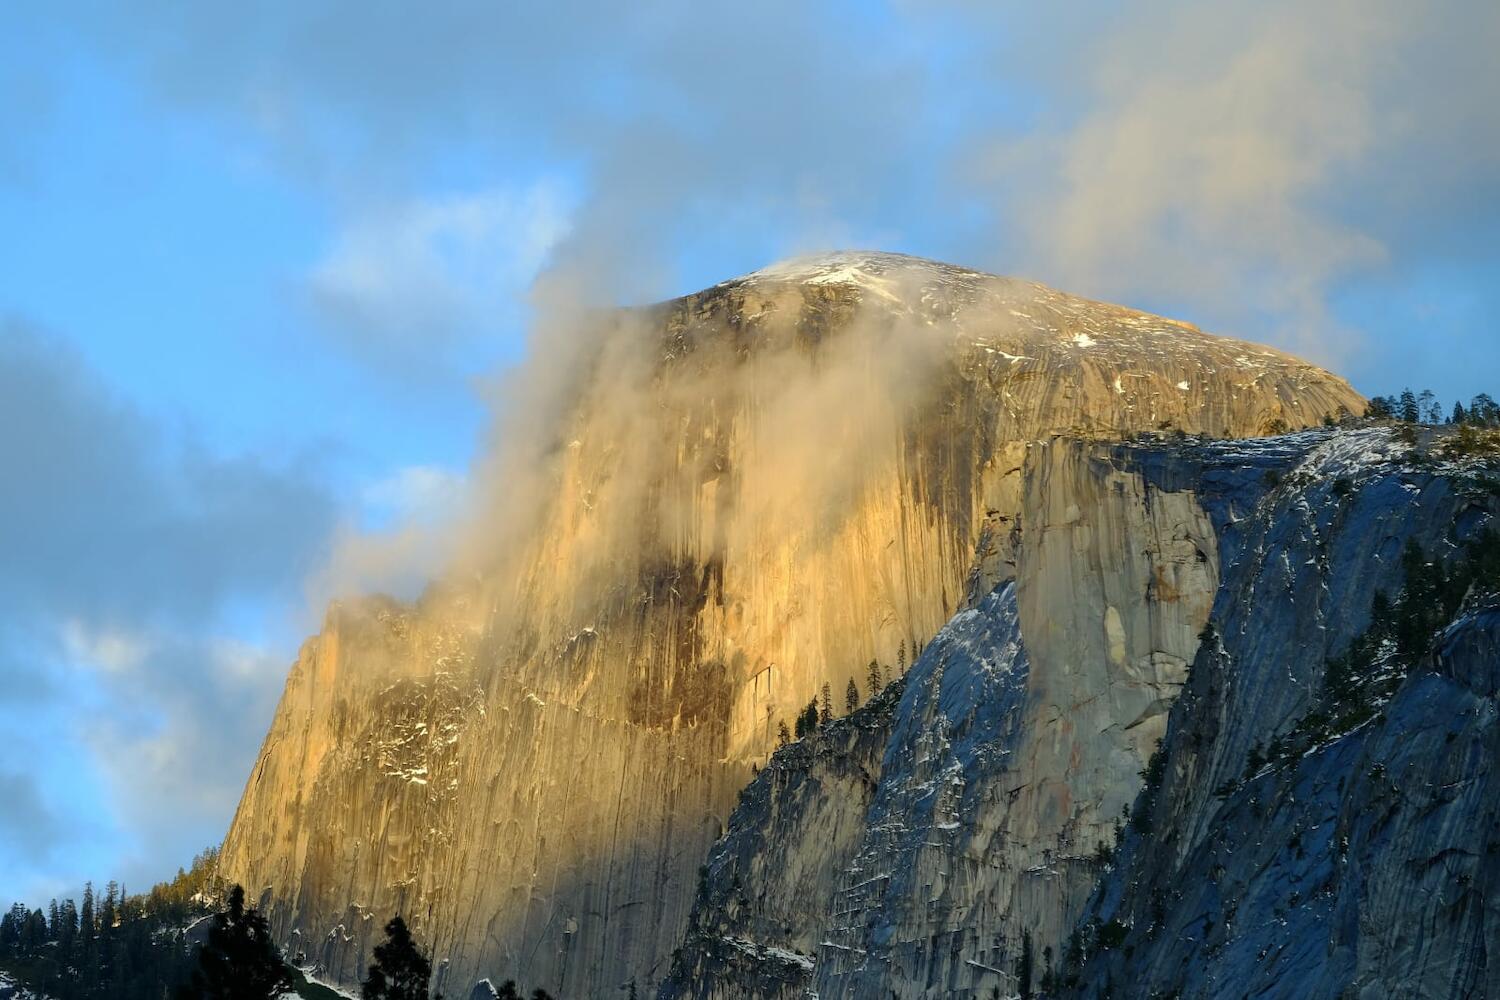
743,495
1014,751
1361,863
1366,861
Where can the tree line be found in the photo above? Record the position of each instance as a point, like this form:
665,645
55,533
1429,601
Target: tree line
113,944
1424,408
148,947
818,712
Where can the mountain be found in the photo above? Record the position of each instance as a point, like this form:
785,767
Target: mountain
1030,504
1318,821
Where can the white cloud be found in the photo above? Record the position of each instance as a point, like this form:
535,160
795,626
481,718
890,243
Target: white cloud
135,567
403,539
424,493
173,757
411,278
113,651
1202,157
1192,178
246,663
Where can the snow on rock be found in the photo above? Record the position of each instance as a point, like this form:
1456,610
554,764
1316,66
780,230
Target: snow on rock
10,989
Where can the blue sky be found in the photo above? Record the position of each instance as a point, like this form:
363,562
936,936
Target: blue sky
260,268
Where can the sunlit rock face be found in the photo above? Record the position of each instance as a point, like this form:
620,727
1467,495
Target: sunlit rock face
731,500
1359,859
1014,750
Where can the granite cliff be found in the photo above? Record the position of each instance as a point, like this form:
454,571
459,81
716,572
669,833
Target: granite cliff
1318,820
741,496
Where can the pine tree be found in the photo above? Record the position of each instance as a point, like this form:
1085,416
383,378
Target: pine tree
851,697
1460,415
807,720
33,931
10,929
87,928
400,970
1407,409
508,991
825,708
901,657
1025,967
109,913
873,680
67,934
239,961
783,736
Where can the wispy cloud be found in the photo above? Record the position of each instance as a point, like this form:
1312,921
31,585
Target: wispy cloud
401,538
426,493
1201,158
403,284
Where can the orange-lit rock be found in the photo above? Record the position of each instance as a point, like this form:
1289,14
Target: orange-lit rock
753,491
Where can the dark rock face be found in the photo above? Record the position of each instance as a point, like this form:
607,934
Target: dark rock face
1364,864
961,723
1367,865
1005,764
793,832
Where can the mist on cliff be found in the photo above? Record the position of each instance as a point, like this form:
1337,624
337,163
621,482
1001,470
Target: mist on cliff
612,436
1207,185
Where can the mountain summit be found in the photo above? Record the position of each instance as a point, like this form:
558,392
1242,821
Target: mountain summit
731,505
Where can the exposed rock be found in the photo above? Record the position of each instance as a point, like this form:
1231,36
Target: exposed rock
1016,747
1367,864
1364,866
763,894
755,491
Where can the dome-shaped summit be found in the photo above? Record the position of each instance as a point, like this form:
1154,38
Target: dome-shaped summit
1061,363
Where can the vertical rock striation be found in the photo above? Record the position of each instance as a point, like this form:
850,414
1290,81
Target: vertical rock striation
1020,739
1314,836
740,496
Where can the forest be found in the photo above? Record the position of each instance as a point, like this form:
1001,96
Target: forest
192,938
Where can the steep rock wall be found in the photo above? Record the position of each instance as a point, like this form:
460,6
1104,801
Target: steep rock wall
744,495
1020,739
1362,862
762,897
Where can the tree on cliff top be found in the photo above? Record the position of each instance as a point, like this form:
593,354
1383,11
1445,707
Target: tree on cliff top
807,720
